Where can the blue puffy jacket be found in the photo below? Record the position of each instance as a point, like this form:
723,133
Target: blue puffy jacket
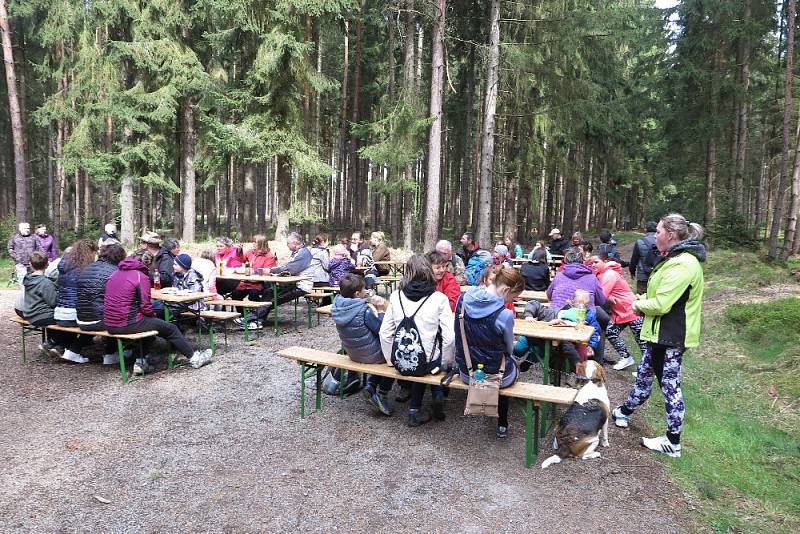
67,283
358,329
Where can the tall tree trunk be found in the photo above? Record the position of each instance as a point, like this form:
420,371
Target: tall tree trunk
435,134
468,189
742,118
409,94
284,191
567,224
711,182
780,194
356,196
187,159
248,194
339,203
21,210
126,198
484,232
794,201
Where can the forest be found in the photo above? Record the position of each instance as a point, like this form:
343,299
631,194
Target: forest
421,118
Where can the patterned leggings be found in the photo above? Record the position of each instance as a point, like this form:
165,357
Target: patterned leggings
613,332
665,363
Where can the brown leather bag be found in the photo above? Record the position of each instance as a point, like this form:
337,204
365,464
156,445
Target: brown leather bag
482,397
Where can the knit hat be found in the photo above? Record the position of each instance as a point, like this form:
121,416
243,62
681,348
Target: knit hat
502,250
184,260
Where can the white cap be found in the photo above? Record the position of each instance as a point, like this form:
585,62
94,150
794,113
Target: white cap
111,228
24,228
554,231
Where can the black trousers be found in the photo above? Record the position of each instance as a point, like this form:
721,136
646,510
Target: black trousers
74,342
166,330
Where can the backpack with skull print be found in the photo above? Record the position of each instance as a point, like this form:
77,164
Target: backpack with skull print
408,354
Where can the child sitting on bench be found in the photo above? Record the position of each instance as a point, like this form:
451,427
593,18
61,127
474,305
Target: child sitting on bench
358,326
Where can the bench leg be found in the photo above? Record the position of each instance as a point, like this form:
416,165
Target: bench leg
275,306
122,371
302,390
546,363
211,339
246,323
308,312
319,387
24,350
531,413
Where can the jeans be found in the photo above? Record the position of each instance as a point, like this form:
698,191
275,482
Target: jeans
166,330
381,384
418,392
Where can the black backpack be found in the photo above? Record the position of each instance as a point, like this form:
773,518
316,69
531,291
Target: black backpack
408,354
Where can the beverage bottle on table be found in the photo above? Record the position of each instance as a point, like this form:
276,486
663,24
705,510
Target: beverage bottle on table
580,314
479,375
157,280
247,270
219,267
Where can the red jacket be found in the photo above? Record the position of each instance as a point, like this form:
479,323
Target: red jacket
614,285
127,297
450,287
265,260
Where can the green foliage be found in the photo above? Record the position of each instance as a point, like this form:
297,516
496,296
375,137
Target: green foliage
766,326
742,269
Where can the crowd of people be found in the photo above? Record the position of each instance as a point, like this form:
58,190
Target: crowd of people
98,286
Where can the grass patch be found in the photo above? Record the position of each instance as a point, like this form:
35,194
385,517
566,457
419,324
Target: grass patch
742,430
742,270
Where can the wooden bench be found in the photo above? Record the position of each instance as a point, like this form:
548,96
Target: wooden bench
312,361
214,316
102,333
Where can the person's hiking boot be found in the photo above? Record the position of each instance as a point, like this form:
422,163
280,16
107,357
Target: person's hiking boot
74,357
438,409
620,419
51,349
141,367
501,431
367,392
417,418
662,444
624,363
381,403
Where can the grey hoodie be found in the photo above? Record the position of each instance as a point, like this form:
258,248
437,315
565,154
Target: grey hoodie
40,299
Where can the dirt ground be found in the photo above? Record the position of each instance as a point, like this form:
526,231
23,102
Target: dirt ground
223,449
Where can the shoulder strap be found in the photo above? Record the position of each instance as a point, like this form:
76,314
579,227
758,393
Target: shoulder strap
400,298
466,345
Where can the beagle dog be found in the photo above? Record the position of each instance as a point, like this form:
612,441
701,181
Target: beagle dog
578,430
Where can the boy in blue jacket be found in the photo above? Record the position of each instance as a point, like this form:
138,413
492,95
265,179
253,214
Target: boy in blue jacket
359,327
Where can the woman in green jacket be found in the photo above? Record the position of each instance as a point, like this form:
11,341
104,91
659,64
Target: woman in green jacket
671,312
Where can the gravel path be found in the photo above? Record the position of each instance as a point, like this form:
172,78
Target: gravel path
222,449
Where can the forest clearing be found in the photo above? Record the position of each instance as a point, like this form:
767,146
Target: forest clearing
578,167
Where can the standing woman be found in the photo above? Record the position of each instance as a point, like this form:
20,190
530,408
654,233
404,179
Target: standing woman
671,312
489,329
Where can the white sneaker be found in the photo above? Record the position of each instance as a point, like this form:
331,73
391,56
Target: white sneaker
238,321
620,419
662,444
74,357
624,363
200,358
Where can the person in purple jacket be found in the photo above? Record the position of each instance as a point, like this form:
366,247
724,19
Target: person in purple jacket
127,309
46,242
576,275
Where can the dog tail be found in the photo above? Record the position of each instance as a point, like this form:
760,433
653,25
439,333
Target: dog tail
555,459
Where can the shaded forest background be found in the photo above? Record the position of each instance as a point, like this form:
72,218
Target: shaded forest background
420,118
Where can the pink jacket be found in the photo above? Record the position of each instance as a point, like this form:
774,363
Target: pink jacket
614,285
229,257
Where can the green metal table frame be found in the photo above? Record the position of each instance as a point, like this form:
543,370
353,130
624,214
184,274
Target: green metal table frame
530,409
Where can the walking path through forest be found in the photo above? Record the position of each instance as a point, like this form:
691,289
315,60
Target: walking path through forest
222,449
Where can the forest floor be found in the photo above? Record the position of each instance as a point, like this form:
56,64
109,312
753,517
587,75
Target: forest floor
222,449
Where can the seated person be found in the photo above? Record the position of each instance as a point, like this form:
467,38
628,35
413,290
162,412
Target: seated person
501,256
91,292
455,265
445,280
359,327
380,252
260,257
127,310
186,278
299,264
537,273
536,311
361,253
38,305
339,265
205,267
536,247
609,246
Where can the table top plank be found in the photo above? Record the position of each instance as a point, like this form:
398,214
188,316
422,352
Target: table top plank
542,330
170,298
262,278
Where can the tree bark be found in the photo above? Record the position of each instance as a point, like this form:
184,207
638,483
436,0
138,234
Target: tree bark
248,195
794,201
188,140
435,135
126,199
284,193
339,203
780,194
21,210
409,94
711,182
484,232
742,118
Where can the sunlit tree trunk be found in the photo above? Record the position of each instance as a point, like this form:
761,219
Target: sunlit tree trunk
435,134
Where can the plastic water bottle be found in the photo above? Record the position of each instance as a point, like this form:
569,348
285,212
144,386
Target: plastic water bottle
479,375
580,314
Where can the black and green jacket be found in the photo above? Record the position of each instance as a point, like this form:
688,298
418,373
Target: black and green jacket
672,306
